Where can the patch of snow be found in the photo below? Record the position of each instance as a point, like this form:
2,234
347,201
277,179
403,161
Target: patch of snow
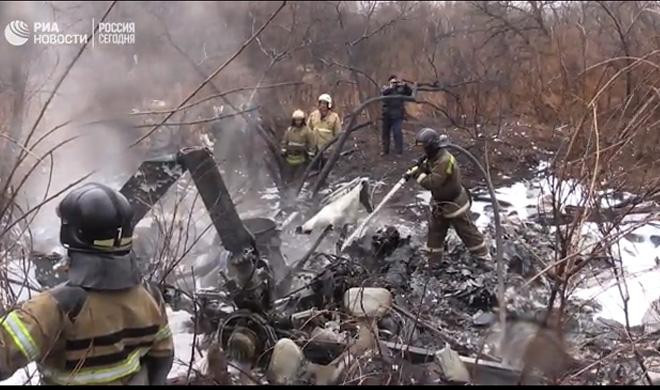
424,196
638,258
641,275
520,195
22,377
183,338
271,193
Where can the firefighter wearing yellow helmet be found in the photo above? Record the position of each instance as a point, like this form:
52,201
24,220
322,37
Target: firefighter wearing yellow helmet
298,145
324,123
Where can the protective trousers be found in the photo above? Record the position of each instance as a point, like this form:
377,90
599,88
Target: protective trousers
320,163
392,128
439,224
293,173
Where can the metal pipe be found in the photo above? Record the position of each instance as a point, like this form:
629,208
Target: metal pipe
498,233
320,153
342,140
498,228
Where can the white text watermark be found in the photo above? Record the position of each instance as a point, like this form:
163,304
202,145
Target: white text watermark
19,33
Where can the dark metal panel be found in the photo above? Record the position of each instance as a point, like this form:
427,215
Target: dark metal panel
208,180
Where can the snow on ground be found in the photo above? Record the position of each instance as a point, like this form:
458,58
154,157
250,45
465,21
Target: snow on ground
638,252
25,376
182,333
642,279
640,259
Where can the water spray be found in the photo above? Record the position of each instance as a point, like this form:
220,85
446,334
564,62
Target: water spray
359,231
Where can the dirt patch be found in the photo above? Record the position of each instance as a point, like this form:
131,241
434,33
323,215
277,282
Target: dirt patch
513,155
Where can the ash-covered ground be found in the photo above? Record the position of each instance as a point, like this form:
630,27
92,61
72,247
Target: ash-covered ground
458,306
455,307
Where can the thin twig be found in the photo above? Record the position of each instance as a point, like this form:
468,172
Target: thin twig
54,91
205,120
209,78
217,95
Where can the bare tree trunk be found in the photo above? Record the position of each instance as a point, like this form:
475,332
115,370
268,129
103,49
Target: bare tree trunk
18,81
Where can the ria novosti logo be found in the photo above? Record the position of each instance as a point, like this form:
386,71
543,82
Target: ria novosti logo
17,32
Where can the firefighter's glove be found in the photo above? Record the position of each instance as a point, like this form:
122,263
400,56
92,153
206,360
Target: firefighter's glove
423,170
412,173
425,167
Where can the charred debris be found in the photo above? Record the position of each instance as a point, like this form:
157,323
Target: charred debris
372,315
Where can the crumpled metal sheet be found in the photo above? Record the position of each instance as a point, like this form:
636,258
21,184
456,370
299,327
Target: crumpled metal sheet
152,180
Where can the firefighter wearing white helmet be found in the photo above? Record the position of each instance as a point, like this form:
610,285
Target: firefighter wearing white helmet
298,145
326,98
324,123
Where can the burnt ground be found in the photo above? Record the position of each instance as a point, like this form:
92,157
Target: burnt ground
513,155
460,301
458,304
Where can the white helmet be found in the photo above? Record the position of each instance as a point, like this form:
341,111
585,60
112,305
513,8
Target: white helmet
298,114
326,98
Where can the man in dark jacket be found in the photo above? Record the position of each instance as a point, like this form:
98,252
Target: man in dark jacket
393,114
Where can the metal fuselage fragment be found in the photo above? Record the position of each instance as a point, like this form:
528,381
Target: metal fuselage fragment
342,207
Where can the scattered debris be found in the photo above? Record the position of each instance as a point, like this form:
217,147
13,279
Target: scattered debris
367,302
285,362
452,366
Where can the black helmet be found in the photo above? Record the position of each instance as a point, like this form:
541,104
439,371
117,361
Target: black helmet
431,140
96,218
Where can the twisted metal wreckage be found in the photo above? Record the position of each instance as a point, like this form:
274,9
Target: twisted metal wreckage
268,315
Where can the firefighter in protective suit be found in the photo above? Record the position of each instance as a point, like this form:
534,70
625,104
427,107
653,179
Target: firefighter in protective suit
439,173
104,326
298,145
325,124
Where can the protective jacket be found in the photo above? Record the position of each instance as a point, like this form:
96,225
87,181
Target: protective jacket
450,204
394,108
444,182
324,129
91,330
297,144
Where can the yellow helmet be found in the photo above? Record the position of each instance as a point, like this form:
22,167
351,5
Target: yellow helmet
298,114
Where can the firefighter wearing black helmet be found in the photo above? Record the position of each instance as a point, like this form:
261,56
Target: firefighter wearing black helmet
102,326
439,173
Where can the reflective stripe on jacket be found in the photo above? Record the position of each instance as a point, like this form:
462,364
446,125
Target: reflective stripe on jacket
102,344
296,143
445,185
324,129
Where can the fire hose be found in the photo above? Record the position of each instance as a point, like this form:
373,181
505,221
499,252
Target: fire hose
341,140
498,227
